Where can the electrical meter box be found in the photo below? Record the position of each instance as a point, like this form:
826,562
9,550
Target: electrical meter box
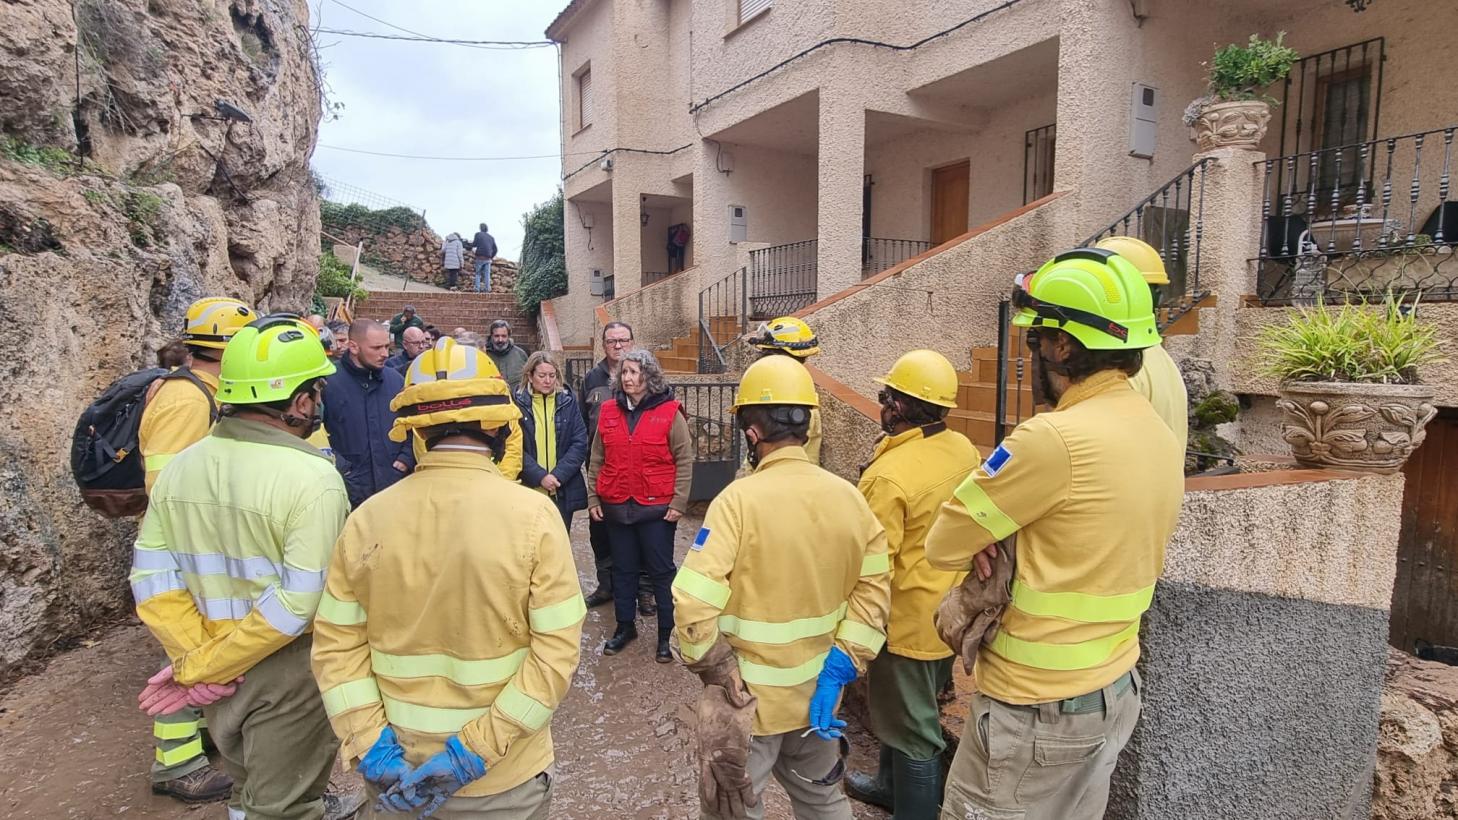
1143,124
594,283
738,224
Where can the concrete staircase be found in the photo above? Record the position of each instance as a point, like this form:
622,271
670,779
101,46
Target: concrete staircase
682,354
447,311
976,413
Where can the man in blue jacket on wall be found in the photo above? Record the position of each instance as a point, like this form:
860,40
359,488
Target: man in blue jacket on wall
358,417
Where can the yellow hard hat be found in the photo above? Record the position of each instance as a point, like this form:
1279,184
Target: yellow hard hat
925,375
776,380
1141,254
790,335
211,322
268,359
452,382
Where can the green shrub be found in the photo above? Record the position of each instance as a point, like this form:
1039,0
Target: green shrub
543,273
1241,72
354,215
56,160
143,210
334,279
1352,343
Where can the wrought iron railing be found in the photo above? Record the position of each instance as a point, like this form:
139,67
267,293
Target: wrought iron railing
1038,152
575,366
722,311
609,288
882,254
1172,219
1323,240
716,443
782,279
1012,372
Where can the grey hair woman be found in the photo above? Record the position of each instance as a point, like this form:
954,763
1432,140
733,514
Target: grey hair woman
638,480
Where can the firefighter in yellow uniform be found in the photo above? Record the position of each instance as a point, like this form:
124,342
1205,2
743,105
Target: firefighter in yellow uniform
450,625
912,473
1092,490
180,411
789,336
1159,380
781,602
229,566
508,461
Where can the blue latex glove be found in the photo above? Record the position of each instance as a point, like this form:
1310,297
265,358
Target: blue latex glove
436,779
384,764
834,675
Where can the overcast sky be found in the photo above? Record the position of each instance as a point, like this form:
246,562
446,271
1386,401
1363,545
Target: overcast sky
444,100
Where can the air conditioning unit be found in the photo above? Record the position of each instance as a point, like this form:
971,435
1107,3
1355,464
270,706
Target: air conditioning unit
606,164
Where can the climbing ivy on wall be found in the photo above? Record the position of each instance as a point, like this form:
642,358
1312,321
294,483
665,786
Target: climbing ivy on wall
543,272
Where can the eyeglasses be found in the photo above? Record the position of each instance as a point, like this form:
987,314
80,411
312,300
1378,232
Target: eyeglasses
617,342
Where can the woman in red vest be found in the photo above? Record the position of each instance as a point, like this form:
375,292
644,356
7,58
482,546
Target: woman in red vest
638,484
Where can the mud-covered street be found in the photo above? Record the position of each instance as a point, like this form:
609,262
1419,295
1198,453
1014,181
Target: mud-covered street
74,745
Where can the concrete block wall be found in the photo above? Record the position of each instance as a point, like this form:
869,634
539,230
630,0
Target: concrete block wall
1264,651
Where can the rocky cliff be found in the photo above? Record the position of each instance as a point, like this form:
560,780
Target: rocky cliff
151,152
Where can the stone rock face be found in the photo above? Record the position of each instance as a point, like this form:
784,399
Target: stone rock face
1417,747
119,205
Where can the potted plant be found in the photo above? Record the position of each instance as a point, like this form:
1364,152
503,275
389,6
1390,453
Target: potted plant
1349,383
1235,112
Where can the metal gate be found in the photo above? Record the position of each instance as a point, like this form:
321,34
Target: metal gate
1425,592
716,442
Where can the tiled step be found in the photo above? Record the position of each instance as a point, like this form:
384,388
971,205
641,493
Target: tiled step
982,397
678,364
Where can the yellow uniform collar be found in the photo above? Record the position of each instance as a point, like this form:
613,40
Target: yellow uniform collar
460,459
1100,382
892,442
792,453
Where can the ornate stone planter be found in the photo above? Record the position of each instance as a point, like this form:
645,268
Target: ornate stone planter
1371,427
1241,123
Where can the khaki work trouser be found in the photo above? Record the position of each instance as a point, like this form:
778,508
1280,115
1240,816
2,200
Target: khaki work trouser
1038,762
796,762
531,800
275,740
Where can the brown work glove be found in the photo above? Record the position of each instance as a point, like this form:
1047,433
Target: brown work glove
719,667
723,732
972,612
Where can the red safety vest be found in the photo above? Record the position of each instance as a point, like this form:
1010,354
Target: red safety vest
637,465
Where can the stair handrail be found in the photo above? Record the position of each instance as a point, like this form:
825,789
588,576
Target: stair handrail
717,290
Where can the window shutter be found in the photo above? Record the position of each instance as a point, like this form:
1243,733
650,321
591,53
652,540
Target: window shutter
749,8
584,99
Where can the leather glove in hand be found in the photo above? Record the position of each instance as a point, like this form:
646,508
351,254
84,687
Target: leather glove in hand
719,667
436,780
834,675
384,764
723,735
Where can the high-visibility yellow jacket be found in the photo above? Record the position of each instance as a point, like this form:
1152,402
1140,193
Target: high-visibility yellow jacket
909,478
812,443
1093,490
1159,380
510,464
790,561
229,564
177,416
452,608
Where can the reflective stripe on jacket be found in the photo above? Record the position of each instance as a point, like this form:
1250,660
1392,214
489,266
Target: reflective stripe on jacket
790,562
230,560
462,617
909,478
637,464
1093,490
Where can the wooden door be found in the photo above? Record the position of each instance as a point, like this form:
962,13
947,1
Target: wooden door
949,202
1425,592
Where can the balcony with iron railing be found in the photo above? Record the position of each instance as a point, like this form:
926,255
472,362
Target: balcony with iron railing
883,254
1358,221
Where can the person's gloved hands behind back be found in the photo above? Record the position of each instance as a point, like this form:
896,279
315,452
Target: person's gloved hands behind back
436,779
837,671
384,764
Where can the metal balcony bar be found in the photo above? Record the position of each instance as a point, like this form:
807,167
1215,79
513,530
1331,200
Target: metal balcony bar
883,254
782,279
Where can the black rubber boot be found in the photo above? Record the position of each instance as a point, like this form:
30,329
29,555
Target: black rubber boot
604,592
625,634
875,790
918,787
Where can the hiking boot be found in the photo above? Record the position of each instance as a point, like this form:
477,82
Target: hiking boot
646,605
206,785
875,790
341,805
664,654
626,634
599,596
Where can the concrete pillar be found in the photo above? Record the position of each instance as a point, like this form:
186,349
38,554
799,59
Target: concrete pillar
1228,208
627,241
842,161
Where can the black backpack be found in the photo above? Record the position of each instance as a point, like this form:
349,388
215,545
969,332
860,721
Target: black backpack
105,458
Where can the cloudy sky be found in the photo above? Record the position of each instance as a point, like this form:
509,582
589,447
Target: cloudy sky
434,99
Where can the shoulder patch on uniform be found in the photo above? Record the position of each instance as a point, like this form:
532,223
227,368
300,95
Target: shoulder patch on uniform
995,462
701,539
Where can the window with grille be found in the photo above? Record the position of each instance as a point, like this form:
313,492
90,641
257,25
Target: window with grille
749,8
1038,150
584,99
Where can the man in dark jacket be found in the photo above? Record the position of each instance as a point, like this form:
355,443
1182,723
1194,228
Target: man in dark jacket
617,339
485,247
358,417
413,342
508,356
405,318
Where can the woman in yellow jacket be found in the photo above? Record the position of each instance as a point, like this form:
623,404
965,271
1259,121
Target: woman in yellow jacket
448,631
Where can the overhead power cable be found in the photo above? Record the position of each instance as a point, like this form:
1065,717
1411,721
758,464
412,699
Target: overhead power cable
503,45
450,159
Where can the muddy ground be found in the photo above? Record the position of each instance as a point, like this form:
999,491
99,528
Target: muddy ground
74,745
